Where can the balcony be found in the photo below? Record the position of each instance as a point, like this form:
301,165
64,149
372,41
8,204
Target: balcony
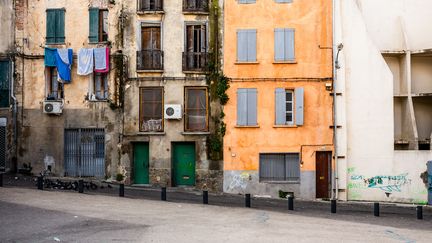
150,60
195,61
149,5
195,6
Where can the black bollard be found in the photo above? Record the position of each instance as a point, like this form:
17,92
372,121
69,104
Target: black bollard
40,182
205,197
163,194
290,202
121,190
1,179
419,212
376,209
333,206
80,186
248,200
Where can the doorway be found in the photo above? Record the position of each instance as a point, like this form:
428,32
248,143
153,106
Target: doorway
183,163
323,174
141,163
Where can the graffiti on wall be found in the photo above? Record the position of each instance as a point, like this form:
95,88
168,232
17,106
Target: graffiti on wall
386,183
240,181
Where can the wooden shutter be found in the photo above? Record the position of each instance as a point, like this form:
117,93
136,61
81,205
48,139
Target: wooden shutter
299,105
60,26
242,48
251,46
289,45
280,106
279,44
251,107
50,26
242,107
93,25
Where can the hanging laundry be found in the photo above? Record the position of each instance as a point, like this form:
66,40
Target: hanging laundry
101,56
49,58
64,58
85,61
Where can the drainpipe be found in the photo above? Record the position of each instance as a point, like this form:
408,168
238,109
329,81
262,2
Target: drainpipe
335,187
14,110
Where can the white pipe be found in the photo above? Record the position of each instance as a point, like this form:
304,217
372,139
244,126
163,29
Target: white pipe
335,187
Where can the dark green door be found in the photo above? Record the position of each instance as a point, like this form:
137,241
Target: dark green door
141,163
184,164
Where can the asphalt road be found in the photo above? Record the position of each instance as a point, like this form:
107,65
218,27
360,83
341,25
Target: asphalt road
29,215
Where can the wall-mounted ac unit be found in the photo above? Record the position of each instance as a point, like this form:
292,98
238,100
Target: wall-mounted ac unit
53,107
173,112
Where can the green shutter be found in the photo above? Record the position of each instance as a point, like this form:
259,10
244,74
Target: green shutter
60,26
93,25
4,83
50,26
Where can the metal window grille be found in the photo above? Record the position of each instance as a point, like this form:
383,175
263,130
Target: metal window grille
279,167
84,151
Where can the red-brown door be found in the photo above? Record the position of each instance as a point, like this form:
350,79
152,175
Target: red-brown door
323,174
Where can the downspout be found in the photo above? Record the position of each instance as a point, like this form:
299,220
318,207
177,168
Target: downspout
335,187
14,109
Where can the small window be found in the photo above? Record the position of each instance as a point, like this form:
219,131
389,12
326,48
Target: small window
247,107
54,87
99,86
150,5
5,76
151,109
55,26
289,106
195,55
279,167
284,45
98,25
289,100
196,109
246,45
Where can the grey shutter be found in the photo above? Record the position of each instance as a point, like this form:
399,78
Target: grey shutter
289,45
246,1
251,45
280,106
242,107
251,107
283,1
94,25
242,46
292,167
279,44
299,105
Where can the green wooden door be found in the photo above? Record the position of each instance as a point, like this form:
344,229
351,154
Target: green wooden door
184,164
141,163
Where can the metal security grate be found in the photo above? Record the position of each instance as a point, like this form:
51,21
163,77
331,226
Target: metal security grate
2,148
84,152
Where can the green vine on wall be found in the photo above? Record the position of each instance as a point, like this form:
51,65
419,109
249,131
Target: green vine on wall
218,85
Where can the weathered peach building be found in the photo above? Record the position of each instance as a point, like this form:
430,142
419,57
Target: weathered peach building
279,139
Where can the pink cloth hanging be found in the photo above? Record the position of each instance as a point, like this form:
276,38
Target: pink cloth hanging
107,55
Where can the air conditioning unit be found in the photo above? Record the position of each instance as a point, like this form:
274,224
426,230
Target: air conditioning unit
52,107
173,112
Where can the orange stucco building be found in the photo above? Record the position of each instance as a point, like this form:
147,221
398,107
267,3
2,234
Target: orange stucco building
278,138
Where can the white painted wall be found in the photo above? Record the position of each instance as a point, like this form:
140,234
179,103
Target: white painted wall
372,168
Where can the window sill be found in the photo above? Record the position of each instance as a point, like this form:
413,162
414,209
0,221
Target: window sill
195,72
99,43
186,12
101,100
281,182
252,126
285,62
149,12
195,133
151,133
149,71
285,126
246,63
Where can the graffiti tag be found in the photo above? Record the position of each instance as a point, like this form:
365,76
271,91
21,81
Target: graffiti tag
239,181
387,183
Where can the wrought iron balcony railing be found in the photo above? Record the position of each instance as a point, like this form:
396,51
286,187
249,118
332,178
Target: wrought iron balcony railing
195,5
150,60
195,61
150,5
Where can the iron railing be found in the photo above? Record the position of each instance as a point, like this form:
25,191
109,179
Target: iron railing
150,60
195,61
150,5
195,5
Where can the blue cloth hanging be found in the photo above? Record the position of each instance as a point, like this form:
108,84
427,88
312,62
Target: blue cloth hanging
64,68
50,57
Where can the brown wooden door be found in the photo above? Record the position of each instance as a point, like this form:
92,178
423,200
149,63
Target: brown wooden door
323,174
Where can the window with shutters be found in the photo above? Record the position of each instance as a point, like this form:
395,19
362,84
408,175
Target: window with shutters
151,109
150,57
289,106
246,1
98,25
196,109
284,48
5,77
279,167
247,107
195,5
55,26
246,45
150,5
54,88
98,87
195,57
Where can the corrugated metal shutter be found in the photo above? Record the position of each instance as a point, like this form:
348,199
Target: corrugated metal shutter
93,24
280,106
242,108
279,167
299,104
292,167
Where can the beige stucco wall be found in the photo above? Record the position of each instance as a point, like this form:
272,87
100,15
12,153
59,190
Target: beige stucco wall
6,26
